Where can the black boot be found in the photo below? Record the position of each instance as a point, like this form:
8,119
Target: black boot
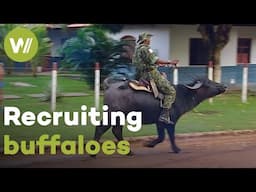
165,116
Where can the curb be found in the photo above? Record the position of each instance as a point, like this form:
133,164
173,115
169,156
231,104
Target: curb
193,135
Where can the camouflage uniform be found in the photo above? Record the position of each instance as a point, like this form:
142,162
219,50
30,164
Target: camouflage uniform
145,61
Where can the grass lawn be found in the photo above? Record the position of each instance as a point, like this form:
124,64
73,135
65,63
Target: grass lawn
41,83
226,113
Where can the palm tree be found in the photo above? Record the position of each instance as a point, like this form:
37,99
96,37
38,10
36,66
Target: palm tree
112,28
44,45
92,45
4,30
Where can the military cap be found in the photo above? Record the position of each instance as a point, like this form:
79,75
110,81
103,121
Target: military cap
144,36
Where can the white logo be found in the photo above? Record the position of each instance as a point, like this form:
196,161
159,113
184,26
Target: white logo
16,46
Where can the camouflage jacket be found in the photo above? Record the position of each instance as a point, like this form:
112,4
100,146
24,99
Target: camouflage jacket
144,60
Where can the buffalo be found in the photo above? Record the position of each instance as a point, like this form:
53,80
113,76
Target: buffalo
120,97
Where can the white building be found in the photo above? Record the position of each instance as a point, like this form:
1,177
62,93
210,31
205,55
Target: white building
184,42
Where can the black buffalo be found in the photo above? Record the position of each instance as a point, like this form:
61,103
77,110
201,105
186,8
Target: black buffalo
120,97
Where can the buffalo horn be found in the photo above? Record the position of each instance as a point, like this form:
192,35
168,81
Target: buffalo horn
195,86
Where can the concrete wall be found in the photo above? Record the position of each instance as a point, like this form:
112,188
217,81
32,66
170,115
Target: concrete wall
248,32
231,75
229,52
179,42
171,41
55,35
58,36
159,42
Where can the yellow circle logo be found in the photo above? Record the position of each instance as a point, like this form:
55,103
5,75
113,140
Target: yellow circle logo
20,44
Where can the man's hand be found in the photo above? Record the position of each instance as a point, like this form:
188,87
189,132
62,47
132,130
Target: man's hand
166,63
173,62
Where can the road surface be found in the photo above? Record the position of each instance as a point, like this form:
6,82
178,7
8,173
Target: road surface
235,150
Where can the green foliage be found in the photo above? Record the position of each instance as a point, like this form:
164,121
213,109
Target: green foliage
44,45
112,28
39,85
4,30
92,45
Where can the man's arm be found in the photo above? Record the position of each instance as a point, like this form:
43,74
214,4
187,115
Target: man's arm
162,62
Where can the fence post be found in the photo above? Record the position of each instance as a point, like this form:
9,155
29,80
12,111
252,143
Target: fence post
245,83
54,86
97,85
210,75
1,86
175,75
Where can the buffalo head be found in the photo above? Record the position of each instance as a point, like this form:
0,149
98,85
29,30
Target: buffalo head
206,88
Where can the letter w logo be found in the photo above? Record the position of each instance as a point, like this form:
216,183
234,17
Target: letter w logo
16,46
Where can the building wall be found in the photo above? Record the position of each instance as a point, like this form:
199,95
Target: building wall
253,51
171,41
231,75
55,35
248,32
229,52
58,36
159,42
179,42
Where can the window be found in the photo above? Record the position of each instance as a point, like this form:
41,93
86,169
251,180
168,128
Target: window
243,50
198,52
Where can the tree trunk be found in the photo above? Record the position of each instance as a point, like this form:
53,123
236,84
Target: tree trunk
217,67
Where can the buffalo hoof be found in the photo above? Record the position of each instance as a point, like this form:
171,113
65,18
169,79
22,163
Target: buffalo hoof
176,149
93,156
130,153
149,144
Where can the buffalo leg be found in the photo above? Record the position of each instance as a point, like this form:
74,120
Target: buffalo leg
171,133
160,138
118,133
100,130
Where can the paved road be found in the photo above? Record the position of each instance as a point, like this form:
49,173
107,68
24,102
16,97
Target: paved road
210,151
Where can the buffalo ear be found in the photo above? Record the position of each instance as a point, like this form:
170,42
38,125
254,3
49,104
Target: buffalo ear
197,85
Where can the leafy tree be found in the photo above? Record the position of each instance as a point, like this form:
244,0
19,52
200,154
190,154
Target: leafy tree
216,38
4,30
112,28
91,45
44,45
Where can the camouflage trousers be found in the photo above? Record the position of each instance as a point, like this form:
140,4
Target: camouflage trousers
165,87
